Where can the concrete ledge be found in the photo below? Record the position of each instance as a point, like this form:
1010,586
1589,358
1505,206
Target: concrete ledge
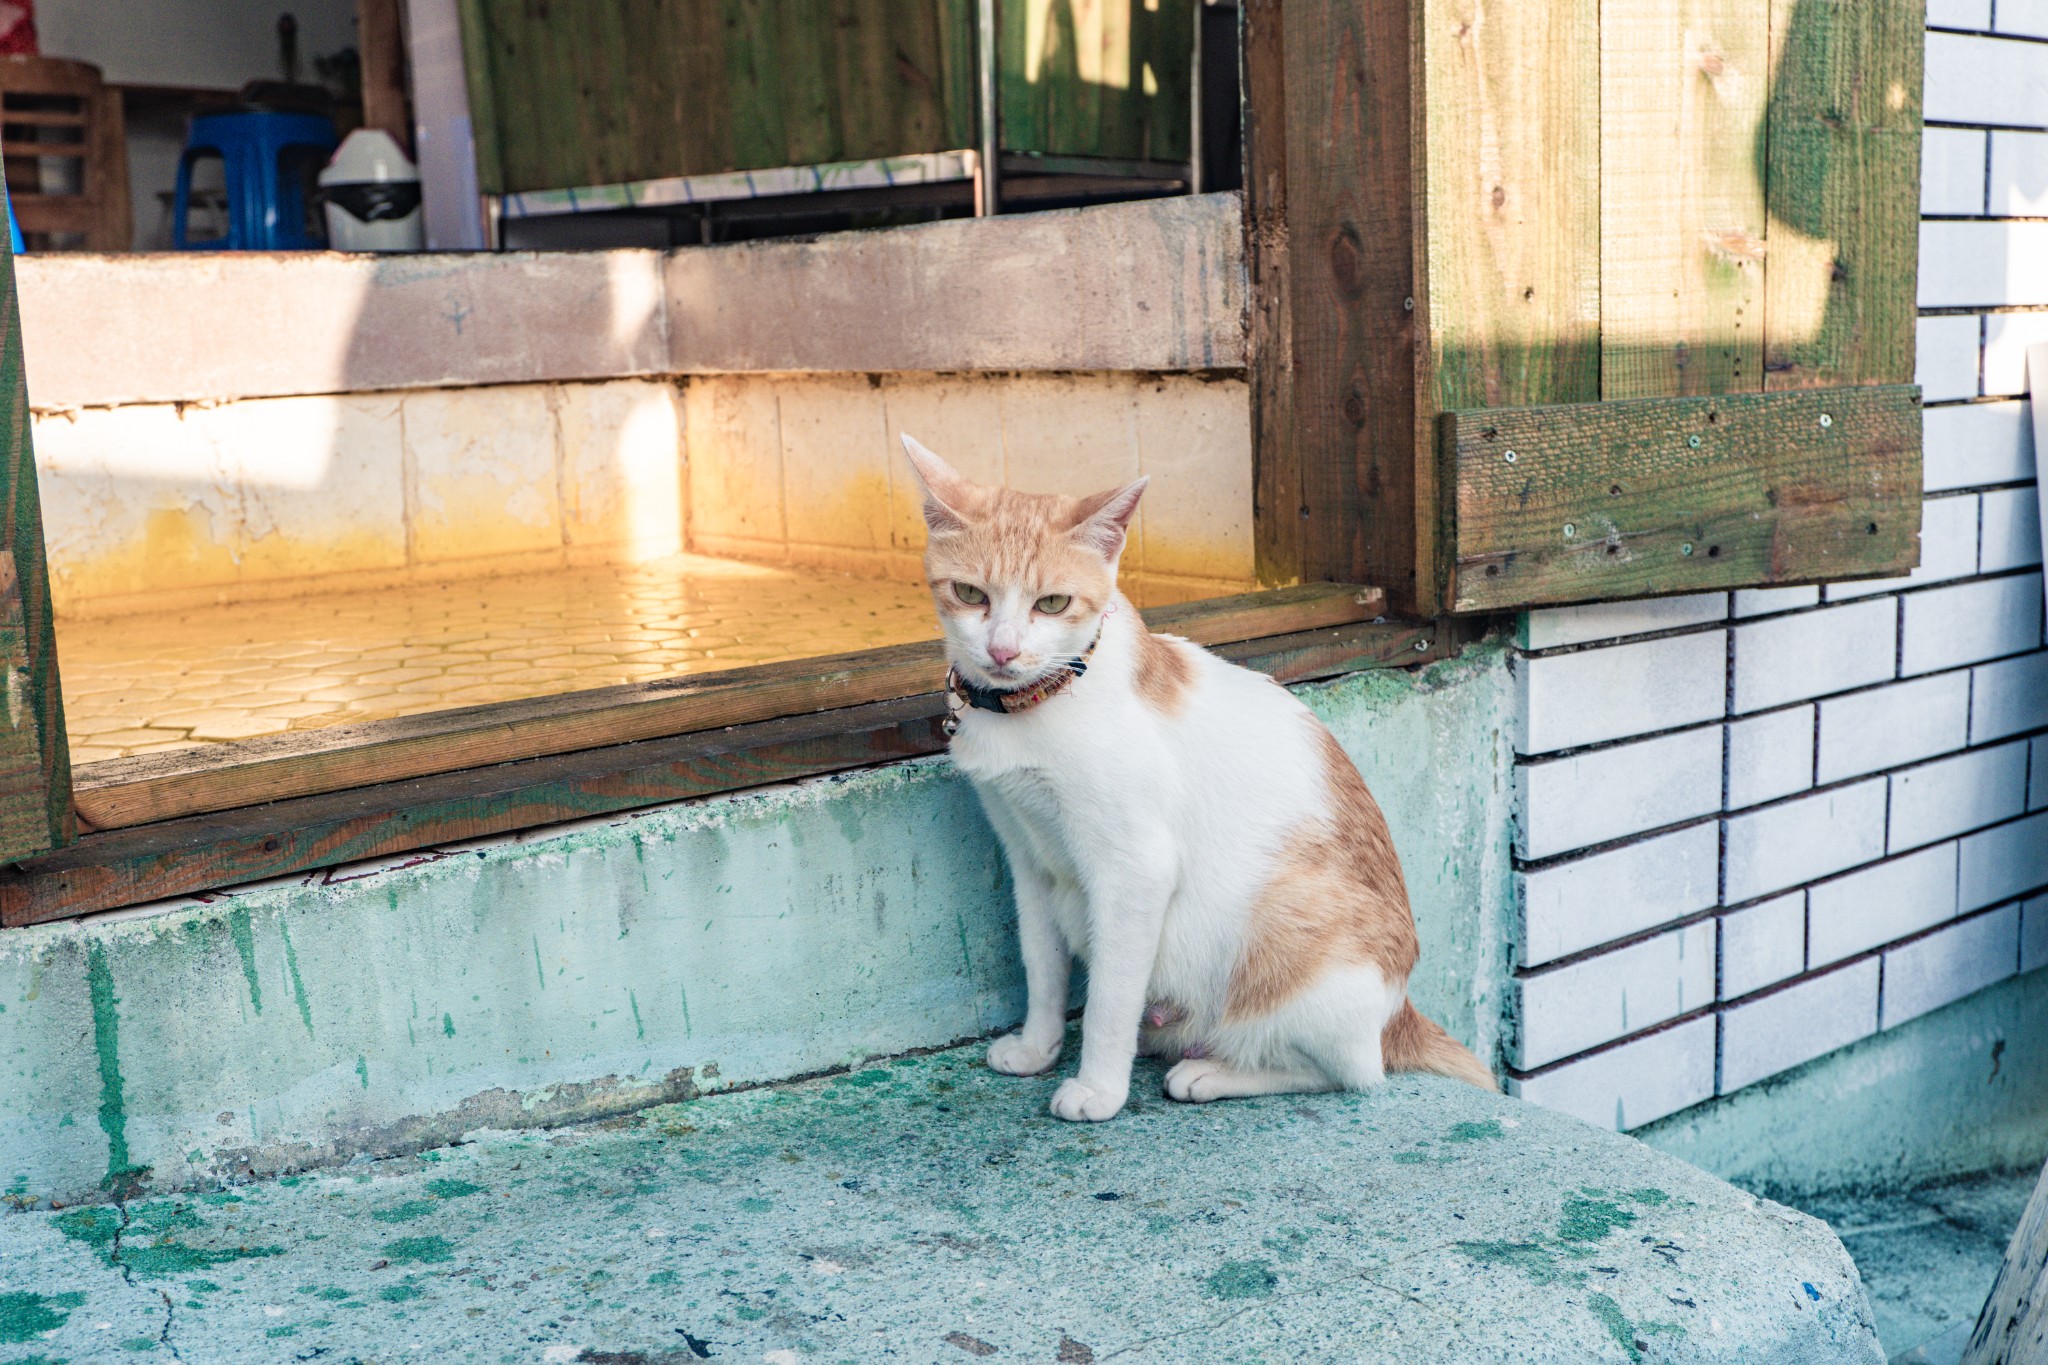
103,331
927,1209
1155,286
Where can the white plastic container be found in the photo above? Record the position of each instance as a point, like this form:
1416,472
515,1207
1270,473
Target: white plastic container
373,195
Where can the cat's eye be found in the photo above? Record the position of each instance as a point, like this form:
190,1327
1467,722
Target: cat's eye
971,595
1054,603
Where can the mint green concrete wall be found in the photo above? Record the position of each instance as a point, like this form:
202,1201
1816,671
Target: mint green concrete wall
590,969
1961,1090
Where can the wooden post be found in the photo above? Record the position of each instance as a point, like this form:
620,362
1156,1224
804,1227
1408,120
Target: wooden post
1331,177
380,38
35,761
2014,1324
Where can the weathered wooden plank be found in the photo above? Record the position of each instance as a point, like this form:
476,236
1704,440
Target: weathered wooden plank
2013,1326
1842,184
759,137
381,37
1278,514
1683,85
479,51
1513,136
1663,495
199,852
35,804
151,787
1361,445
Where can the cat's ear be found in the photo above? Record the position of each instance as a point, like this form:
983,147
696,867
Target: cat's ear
945,489
1103,520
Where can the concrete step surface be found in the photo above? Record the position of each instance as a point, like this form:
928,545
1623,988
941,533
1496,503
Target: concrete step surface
926,1209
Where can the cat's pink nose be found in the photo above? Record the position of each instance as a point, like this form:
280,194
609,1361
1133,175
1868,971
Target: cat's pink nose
999,656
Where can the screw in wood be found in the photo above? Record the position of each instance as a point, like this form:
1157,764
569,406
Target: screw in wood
1686,548
1693,441
1508,455
1570,530
1826,421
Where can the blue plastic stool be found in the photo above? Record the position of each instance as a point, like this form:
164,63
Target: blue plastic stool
262,152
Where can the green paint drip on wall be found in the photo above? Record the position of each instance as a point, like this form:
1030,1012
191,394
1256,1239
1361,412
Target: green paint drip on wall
538,970
291,963
363,1071
106,1041
684,992
1589,1220
419,1250
447,1026
24,1317
639,1029
245,944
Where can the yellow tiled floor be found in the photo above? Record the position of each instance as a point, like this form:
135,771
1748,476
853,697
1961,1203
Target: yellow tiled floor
136,684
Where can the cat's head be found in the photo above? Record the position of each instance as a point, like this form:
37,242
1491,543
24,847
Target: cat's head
1021,580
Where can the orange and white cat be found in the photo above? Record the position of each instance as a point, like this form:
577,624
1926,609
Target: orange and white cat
1184,826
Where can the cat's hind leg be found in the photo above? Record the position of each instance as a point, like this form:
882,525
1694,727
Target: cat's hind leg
1197,1080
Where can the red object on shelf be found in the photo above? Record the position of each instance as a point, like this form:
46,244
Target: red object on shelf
18,26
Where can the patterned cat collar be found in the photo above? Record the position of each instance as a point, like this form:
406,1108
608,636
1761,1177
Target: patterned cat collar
962,694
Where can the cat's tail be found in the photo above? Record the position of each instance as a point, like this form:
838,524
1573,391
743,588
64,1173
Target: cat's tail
1412,1041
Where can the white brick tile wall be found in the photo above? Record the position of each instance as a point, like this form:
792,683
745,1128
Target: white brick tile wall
2002,862
1985,80
1948,549
1959,14
1568,700
1765,601
2009,697
1952,166
1965,265
2037,767
2019,174
1770,756
1977,443
1805,1020
1948,357
2006,339
2027,18
1763,945
1569,803
1946,966
1613,620
1957,795
1808,837
1887,727
1965,624
1791,658
2012,530
1870,908
2034,934
1636,1083
1576,905
1573,1008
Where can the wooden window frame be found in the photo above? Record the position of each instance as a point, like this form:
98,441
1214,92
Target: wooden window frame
1374,462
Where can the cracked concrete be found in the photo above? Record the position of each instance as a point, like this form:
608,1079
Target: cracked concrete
926,1209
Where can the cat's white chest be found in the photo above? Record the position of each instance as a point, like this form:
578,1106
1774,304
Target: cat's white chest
1028,800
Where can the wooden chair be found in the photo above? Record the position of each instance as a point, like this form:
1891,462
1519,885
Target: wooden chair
66,154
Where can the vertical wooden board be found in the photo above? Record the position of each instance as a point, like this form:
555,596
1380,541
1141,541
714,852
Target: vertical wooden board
1842,177
692,73
915,60
959,77
1683,85
754,92
595,37
381,36
35,801
479,77
1513,113
1278,514
1022,87
871,89
804,38
1367,479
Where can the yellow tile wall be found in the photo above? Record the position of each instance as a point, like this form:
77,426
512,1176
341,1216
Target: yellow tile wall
156,504
806,469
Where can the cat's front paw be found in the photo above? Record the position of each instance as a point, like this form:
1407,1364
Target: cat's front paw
1194,1081
1078,1103
1012,1056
